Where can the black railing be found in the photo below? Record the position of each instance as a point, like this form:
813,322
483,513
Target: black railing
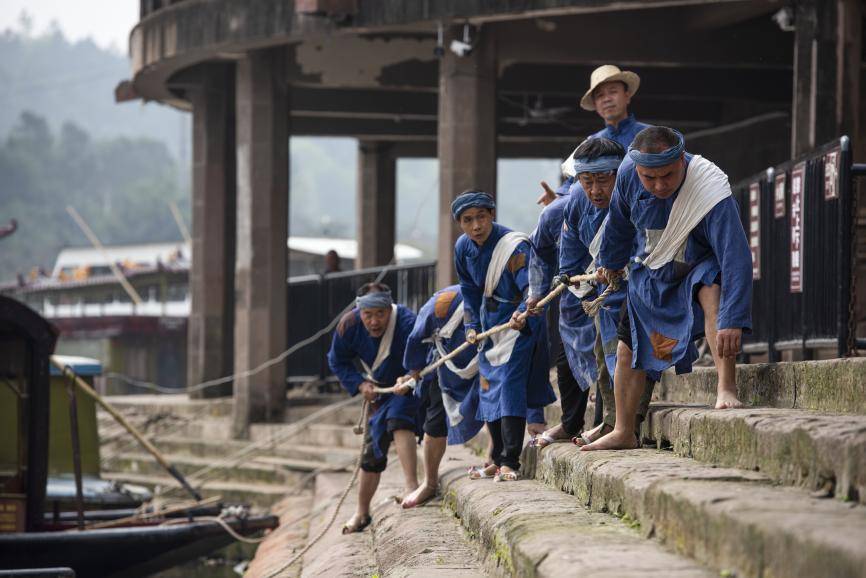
799,217
314,300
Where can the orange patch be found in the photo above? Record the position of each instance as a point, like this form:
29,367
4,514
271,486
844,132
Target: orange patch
663,346
485,385
517,262
347,321
443,303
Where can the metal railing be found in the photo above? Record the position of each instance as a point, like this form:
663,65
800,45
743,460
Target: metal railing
800,219
314,300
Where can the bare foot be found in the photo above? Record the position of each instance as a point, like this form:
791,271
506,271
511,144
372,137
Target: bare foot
615,440
357,523
419,496
728,400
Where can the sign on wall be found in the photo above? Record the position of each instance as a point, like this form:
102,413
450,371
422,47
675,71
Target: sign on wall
798,185
755,228
831,175
779,196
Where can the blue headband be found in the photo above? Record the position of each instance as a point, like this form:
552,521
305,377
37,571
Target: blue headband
652,160
470,200
597,165
379,299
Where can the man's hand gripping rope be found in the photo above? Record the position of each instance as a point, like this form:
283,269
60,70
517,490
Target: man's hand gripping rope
561,283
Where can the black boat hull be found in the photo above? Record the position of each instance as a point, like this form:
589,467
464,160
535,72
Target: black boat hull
128,552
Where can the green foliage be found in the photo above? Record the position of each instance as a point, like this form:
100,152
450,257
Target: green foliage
121,186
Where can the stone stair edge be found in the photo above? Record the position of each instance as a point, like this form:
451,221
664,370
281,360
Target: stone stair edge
526,528
733,520
819,451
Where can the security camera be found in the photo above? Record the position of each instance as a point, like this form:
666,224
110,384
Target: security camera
464,46
460,48
785,19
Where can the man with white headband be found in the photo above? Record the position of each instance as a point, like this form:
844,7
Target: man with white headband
374,334
451,392
491,262
690,272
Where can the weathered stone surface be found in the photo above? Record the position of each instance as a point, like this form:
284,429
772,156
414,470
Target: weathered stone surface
528,529
336,555
791,446
424,541
733,520
836,385
289,537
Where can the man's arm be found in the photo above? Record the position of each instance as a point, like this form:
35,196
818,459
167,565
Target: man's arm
340,360
415,356
542,256
731,247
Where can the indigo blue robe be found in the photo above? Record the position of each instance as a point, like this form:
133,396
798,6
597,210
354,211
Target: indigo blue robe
420,352
523,380
662,304
624,132
351,341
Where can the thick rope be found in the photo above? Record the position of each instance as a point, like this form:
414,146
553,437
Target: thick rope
494,330
333,518
592,308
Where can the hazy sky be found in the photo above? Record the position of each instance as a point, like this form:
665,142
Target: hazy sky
107,22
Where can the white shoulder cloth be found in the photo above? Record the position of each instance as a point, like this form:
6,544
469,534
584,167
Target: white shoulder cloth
501,254
704,187
384,345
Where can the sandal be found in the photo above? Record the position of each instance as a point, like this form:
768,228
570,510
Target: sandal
479,472
349,528
506,476
584,439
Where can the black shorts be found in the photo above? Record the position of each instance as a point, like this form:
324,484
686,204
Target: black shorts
434,421
369,461
623,330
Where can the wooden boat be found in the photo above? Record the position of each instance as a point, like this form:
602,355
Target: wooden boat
34,532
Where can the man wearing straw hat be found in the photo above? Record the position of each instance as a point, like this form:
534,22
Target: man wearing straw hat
690,271
609,94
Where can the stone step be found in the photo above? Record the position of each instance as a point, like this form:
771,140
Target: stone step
206,427
526,528
834,385
795,447
221,448
252,470
260,496
323,435
735,521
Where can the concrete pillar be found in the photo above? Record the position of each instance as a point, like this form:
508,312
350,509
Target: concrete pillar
376,204
262,230
210,333
826,101
467,134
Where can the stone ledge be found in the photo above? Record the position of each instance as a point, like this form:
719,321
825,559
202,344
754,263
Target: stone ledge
729,519
528,529
833,385
791,446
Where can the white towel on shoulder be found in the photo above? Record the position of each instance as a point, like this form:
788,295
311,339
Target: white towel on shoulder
705,186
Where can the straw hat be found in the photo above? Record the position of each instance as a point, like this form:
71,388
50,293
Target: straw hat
608,73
